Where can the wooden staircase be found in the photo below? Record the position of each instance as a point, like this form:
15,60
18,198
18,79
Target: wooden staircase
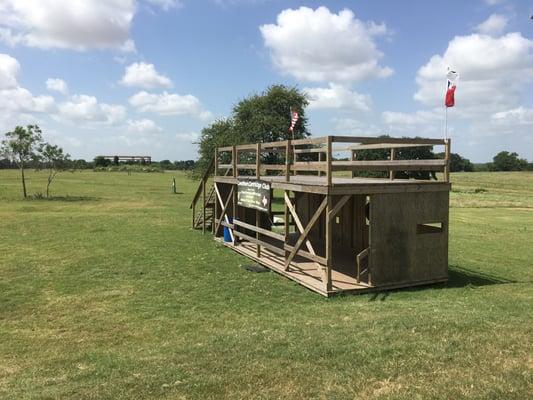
206,196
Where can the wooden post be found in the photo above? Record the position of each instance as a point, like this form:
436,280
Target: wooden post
326,276
288,161
234,156
234,160
319,160
329,157
215,212
391,172
447,158
203,203
257,212
216,161
354,156
287,227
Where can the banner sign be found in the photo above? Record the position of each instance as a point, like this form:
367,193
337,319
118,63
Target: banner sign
253,193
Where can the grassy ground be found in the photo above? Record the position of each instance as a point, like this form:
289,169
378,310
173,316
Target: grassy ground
108,294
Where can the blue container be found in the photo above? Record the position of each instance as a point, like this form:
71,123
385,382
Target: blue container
227,236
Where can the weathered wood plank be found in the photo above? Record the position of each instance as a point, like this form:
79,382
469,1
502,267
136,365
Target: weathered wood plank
303,235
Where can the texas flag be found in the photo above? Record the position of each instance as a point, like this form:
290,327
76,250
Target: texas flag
451,78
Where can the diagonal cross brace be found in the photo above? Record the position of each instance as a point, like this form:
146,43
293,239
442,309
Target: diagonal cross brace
303,236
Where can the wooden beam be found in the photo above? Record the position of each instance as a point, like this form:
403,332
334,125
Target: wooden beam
257,212
339,205
203,206
391,172
297,221
224,206
326,274
373,140
395,165
329,162
287,226
376,146
303,235
288,161
234,161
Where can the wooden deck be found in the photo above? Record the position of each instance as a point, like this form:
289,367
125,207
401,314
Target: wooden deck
306,274
345,185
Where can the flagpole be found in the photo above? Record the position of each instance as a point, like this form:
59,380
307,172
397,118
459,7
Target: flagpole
445,122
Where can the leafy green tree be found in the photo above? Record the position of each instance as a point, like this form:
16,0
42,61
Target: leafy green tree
261,117
54,160
101,161
21,146
505,161
458,163
407,153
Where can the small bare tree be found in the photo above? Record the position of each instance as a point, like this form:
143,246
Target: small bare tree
21,146
54,160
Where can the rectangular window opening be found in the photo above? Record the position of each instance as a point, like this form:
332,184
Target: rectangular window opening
429,227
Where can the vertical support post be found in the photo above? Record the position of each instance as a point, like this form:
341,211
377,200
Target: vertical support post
353,158
319,160
215,212
391,172
234,161
216,161
203,205
288,161
447,158
287,227
326,276
329,157
257,212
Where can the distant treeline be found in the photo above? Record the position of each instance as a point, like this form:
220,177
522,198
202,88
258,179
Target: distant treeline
100,162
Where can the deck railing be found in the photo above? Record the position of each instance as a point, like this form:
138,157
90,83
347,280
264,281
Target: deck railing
295,155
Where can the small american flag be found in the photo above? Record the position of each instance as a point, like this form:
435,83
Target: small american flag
294,119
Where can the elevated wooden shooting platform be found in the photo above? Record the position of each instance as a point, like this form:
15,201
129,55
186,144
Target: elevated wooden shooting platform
337,232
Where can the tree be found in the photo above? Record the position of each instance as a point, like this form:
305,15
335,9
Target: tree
261,117
101,161
54,160
21,146
505,161
407,153
458,163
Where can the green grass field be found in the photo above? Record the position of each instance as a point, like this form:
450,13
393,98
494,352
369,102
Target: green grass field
107,293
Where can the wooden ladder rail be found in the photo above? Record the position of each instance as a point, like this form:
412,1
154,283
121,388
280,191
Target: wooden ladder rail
200,192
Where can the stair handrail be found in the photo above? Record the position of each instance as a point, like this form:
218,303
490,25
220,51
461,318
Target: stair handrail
203,180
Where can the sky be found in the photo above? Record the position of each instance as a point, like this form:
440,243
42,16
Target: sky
143,77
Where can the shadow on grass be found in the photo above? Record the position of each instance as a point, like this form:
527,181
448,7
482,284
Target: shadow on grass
65,198
460,277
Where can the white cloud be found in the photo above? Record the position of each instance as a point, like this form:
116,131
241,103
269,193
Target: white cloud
9,69
494,25
337,96
318,45
169,104
57,85
142,125
83,108
144,75
425,121
15,100
493,72
166,4
73,24
515,116
187,137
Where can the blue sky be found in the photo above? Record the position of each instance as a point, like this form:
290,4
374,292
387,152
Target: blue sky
144,77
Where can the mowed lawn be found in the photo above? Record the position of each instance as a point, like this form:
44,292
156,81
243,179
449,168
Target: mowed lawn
107,293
